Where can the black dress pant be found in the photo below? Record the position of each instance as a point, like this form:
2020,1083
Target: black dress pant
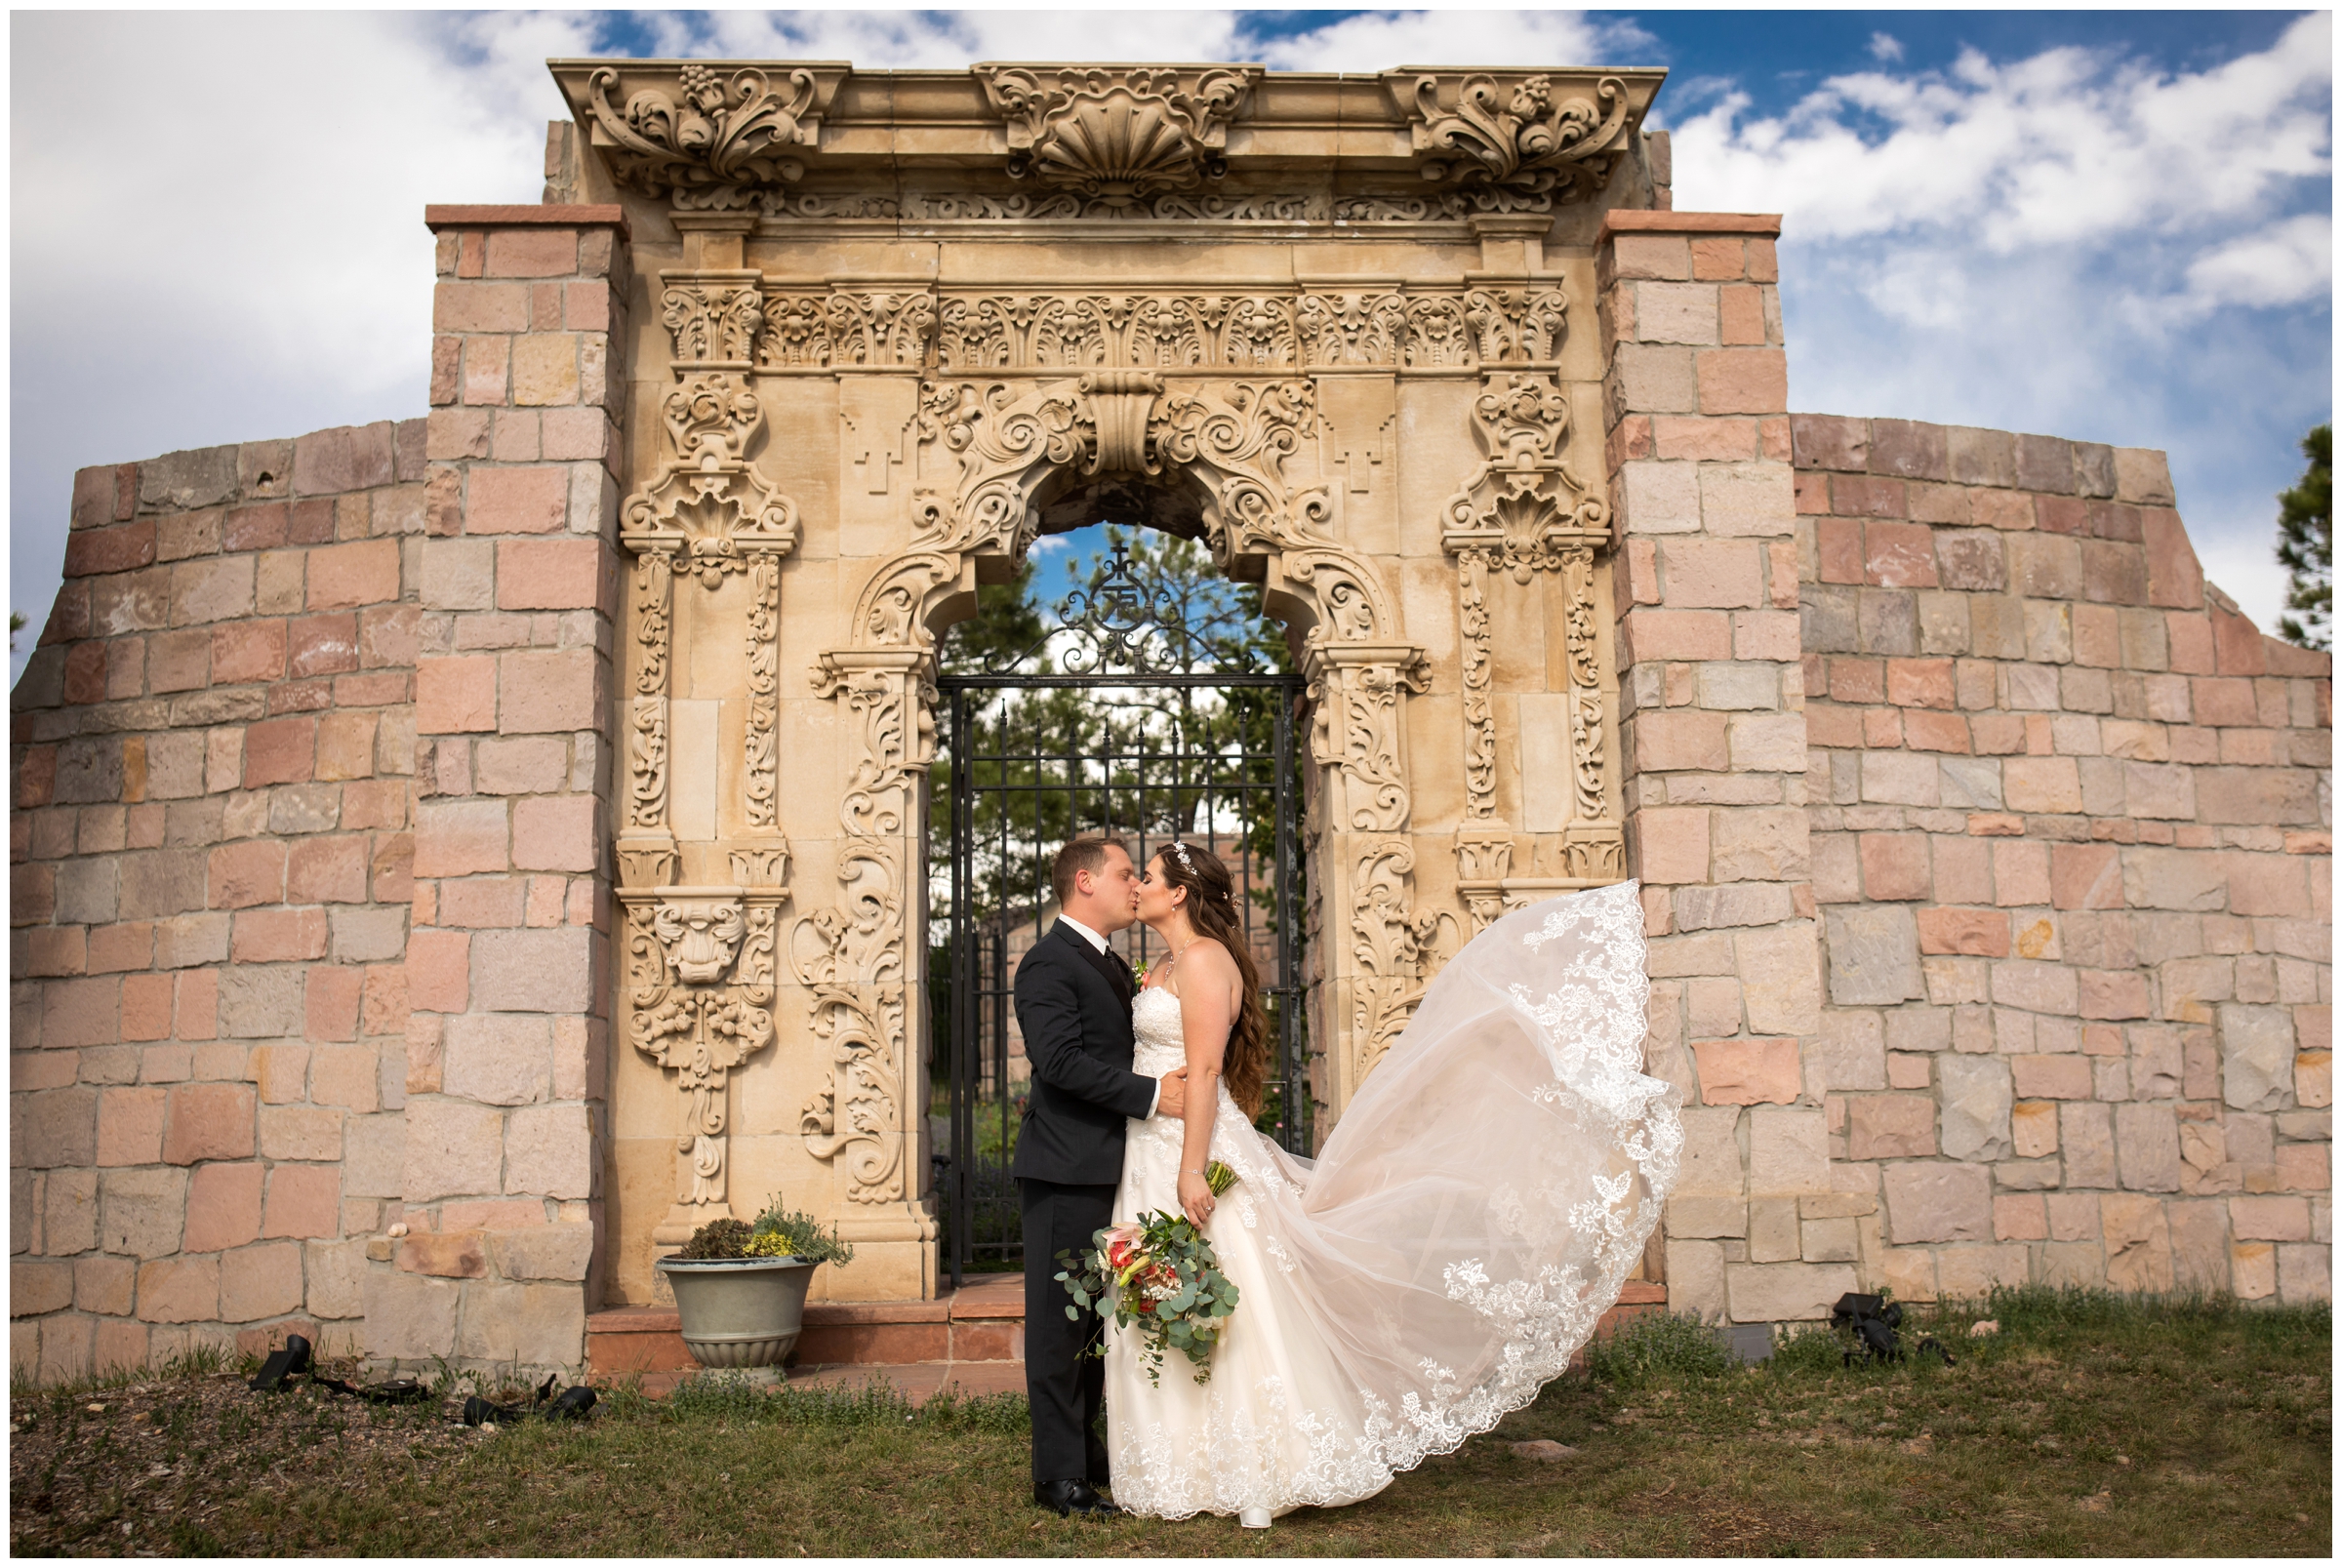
1066,1389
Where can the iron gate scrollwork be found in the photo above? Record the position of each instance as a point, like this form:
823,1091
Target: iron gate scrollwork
1108,724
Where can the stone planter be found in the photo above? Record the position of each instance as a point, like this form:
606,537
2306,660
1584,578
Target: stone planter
740,1311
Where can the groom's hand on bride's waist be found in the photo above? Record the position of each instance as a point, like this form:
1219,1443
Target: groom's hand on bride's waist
1171,1100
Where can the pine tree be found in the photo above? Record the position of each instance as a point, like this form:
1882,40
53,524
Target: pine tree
2305,544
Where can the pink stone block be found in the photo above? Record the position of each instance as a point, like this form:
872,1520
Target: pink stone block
209,1121
243,874
130,1126
224,1207
517,500
343,577
549,574
1748,1073
1890,1126
1672,844
454,695
2063,1076
304,1200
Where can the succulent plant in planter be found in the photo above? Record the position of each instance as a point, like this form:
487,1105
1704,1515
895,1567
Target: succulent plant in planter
740,1288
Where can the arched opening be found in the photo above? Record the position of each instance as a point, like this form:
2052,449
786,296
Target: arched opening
1111,678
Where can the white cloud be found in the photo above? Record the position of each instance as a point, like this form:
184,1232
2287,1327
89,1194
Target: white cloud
1885,47
2065,148
1377,41
2287,262
2069,243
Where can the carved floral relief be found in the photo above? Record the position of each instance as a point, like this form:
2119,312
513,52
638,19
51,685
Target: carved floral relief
1523,149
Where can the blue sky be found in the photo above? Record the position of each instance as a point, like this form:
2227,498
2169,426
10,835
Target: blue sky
2110,225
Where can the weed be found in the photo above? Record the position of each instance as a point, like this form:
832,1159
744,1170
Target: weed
1652,1345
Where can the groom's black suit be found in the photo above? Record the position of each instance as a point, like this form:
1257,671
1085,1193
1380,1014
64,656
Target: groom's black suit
1074,1008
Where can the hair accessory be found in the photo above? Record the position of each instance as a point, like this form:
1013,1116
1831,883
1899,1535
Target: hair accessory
1181,850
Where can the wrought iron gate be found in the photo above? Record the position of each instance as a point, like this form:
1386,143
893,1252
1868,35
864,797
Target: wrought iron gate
1115,737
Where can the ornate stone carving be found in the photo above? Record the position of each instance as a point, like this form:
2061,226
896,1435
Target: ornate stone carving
1525,511
1484,858
646,721
701,973
851,958
1520,149
1445,207
1391,944
708,513
712,317
1414,328
1355,732
817,331
1472,565
712,143
1116,136
1350,329
1524,499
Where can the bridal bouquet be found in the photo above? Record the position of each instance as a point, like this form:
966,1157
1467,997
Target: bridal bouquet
1163,1276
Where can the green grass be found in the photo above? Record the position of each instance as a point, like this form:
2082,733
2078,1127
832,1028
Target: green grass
2092,1425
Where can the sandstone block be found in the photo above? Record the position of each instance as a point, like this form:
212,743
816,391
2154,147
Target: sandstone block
2147,1147
1747,1072
139,1211
2255,1054
543,1252
1788,1151
1931,1201
549,1151
409,1318
517,500
2085,1135
178,1290
535,1325
1977,1105
209,1121
106,1285
2304,1272
261,1003
1971,1273
1851,1051
1712,1161
533,971
1785,1292
2032,1128
500,1058
453,1148
1671,844
1779,981
1874,955
130,1126
1695,1279
34,1288
456,1254
260,1281
223,1206
2138,1242
1889,1126
304,1200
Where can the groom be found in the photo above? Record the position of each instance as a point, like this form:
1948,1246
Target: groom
1073,1000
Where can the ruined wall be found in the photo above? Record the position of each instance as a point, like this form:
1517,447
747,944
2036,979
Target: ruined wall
2072,851
210,878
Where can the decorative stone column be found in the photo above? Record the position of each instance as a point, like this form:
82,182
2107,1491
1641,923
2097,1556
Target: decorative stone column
1714,743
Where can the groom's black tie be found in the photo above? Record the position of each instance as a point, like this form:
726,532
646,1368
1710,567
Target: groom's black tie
1130,985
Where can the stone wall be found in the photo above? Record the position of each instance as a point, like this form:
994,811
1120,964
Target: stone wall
210,878
1992,943
2071,848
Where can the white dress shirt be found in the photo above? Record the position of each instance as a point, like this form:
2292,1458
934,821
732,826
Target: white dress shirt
1098,942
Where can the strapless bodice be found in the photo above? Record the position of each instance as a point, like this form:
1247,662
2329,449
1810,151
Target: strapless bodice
1154,1025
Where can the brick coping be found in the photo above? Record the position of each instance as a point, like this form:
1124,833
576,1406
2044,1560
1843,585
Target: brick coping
1641,222
518,215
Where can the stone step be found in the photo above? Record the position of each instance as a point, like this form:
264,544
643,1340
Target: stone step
981,1322
975,1335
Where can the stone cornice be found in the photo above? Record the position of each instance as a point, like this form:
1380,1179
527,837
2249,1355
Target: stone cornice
520,215
782,136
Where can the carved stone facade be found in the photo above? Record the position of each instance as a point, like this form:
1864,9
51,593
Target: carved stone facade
851,436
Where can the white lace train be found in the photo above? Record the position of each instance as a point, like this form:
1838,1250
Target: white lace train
1464,1226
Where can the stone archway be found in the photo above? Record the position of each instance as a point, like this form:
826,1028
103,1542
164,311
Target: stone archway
854,405
1225,444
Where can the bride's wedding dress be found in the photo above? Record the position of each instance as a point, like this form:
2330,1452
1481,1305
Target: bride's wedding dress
1486,1193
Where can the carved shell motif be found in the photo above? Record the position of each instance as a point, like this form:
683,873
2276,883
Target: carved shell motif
1118,149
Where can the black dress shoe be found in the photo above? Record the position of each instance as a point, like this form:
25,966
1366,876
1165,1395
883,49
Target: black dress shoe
1071,1497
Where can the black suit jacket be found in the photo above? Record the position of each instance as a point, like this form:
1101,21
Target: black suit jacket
1074,1007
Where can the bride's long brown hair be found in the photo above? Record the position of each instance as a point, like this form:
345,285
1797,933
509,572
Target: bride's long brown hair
1211,907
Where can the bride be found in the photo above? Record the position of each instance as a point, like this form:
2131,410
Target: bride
1486,1193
